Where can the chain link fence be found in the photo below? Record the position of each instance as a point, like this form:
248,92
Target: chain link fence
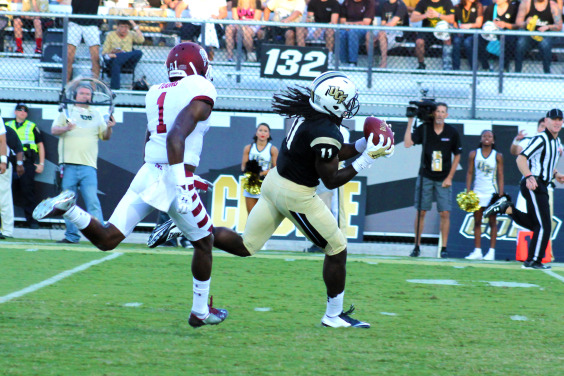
509,75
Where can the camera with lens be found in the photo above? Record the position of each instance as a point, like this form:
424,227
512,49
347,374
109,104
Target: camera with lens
423,108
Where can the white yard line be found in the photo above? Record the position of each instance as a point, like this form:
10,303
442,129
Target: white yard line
557,276
57,278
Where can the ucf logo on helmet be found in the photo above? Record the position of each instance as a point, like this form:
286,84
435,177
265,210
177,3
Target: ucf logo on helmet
336,93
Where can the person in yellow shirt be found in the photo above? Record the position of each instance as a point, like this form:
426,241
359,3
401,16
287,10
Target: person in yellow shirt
78,152
118,49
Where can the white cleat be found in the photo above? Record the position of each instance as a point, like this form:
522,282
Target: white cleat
344,321
54,206
475,255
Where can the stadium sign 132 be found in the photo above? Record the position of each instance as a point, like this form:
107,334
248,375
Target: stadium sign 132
279,61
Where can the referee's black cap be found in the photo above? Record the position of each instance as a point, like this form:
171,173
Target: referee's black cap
555,113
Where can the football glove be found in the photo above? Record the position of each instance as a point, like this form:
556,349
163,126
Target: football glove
372,152
184,188
183,199
381,149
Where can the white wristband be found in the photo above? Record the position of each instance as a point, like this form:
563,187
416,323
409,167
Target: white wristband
178,173
516,142
3,159
362,162
19,163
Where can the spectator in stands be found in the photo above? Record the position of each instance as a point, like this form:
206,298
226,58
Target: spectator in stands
284,11
37,6
468,14
354,12
320,11
118,49
34,159
542,16
391,13
431,12
10,146
203,10
78,153
503,14
245,10
88,29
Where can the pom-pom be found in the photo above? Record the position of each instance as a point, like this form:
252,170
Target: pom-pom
252,183
468,201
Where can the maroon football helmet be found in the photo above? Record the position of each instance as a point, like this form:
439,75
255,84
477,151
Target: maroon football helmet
186,59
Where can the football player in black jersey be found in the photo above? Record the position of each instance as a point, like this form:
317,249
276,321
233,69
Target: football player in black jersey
311,151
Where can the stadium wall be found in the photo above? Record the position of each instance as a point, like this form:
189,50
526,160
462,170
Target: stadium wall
379,200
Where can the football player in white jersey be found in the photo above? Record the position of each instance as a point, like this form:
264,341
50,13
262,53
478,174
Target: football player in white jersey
177,119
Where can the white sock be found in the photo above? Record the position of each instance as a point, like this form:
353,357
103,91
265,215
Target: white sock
478,250
200,303
335,305
491,250
78,217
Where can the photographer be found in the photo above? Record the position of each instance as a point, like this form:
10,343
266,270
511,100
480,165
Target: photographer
440,142
34,160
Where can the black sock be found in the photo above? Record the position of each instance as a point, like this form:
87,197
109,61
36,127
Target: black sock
443,249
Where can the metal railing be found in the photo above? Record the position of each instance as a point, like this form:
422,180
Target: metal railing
471,91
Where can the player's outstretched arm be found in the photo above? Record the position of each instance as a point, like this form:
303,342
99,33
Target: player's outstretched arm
330,173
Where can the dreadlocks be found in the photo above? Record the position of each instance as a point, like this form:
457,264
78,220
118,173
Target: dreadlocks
294,102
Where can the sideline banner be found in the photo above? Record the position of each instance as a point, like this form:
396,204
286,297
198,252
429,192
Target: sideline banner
226,206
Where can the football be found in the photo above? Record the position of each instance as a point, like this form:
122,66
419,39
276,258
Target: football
377,127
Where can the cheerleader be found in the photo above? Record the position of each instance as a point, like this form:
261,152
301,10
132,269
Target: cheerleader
264,153
487,164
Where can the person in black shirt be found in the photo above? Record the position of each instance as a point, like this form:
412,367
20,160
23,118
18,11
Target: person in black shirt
537,162
537,15
431,12
468,14
87,29
503,14
311,151
392,13
320,11
441,143
354,12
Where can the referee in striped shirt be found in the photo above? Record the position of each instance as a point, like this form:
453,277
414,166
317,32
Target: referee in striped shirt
537,162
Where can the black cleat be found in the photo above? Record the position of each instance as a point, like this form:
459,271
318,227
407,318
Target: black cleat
163,233
344,321
498,207
416,252
535,265
216,316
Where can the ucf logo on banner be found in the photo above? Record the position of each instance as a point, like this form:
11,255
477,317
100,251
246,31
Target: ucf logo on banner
226,206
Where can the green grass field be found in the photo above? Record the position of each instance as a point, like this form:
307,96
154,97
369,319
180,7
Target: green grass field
128,316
